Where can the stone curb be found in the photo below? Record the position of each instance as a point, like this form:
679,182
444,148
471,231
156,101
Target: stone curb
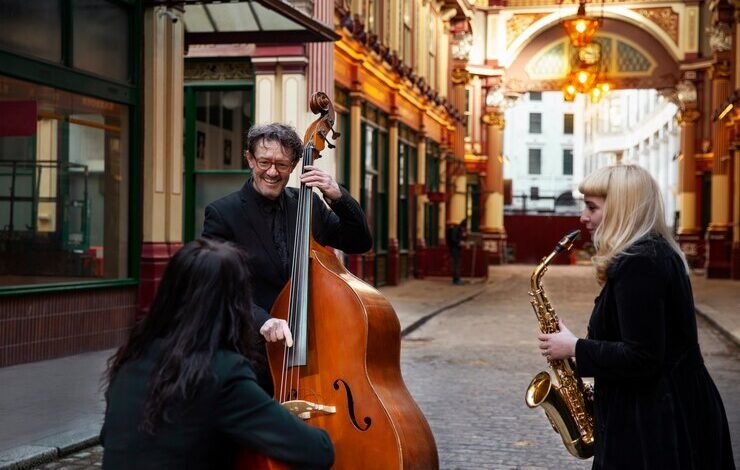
709,314
49,449
454,303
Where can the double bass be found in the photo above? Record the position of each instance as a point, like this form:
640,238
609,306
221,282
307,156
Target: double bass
343,372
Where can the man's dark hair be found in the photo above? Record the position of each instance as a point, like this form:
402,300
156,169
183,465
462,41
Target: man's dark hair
202,305
277,132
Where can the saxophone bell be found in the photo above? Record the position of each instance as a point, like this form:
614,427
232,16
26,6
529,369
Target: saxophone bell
542,392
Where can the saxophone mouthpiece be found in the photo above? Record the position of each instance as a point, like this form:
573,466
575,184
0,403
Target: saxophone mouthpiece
567,241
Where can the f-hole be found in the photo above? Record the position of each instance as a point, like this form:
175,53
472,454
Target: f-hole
351,407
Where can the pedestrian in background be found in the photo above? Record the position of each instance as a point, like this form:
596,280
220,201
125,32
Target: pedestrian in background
261,218
454,236
655,404
182,392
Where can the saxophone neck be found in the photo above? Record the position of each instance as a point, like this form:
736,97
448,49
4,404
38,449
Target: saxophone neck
564,245
539,271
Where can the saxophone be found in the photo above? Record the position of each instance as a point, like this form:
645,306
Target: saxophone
567,404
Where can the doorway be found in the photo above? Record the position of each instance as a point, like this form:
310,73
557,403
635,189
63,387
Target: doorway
216,122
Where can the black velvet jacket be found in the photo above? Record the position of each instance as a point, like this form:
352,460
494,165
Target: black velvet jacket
238,218
656,407
228,412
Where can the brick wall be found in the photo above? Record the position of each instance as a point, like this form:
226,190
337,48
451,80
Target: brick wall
46,326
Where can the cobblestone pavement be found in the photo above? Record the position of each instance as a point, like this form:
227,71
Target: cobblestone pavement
468,368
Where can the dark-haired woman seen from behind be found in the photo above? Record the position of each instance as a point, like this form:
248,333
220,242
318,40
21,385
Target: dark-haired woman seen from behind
182,392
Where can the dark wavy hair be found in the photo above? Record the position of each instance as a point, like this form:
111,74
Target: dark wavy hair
203,304
277,132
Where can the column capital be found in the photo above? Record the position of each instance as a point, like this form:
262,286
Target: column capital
494,118
687,116
460,76
356,98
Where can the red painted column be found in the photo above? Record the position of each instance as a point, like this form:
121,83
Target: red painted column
154,259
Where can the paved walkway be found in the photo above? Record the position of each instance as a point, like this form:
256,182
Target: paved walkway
719,302
53,408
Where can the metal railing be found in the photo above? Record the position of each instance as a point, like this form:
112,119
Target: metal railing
21,188
563,204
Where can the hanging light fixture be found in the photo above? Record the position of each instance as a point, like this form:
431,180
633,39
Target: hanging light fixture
587,74
581,28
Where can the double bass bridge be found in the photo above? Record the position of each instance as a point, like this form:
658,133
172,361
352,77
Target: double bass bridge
306,410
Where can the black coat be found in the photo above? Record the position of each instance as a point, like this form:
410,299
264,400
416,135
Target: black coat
228,412
237,218
656,407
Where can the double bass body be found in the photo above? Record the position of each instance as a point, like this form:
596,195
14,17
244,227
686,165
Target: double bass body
353,365
343,372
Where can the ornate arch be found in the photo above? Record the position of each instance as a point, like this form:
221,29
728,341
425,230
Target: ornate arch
661,23
635,59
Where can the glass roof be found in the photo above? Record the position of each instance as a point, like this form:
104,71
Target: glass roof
249,21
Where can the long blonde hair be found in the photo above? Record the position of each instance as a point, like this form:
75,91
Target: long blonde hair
633,208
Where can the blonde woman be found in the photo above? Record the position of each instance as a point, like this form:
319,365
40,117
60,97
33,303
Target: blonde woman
656,407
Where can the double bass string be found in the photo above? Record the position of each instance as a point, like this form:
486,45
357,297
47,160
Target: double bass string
299,277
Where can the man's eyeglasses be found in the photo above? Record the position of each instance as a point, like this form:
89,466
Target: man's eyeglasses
282,167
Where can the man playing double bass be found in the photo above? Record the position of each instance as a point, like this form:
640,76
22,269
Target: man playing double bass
261,217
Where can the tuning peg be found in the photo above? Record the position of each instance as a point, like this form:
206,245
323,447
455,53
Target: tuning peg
334,134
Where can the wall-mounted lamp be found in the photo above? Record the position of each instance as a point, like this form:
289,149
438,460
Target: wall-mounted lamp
724,112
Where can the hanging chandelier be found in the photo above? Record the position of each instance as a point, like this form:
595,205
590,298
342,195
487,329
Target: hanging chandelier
581,28
587,74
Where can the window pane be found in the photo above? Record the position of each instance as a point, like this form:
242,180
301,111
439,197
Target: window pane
341,155
535,161
208,188
369,148
220,132
568,123
535,123
567,161
535,96
63,186
33,28
101,39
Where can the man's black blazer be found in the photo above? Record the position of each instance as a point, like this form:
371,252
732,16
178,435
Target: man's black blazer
237,218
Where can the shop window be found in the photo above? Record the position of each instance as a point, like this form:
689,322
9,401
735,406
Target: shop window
64,186
101,38
32,28
222,120
406,202
343,126
215,165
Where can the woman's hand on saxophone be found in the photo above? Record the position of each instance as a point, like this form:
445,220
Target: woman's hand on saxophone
560,345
